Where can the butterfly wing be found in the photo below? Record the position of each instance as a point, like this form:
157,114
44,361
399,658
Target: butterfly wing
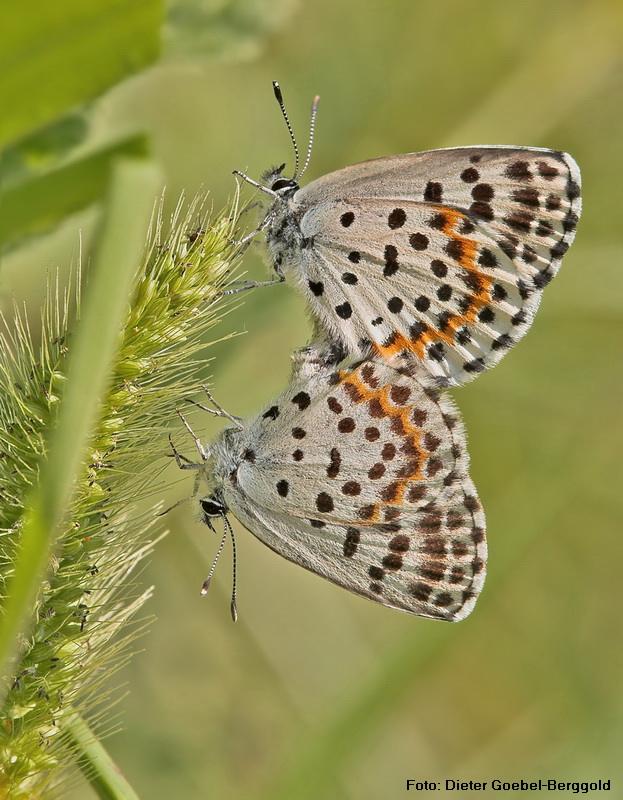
445,175
439,256
361,477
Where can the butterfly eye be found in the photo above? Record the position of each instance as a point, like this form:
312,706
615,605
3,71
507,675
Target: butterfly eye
284,183
211,508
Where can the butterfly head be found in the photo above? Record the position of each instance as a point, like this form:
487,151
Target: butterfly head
274,180
212,506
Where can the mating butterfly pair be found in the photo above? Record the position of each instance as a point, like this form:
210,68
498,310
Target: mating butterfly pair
420,271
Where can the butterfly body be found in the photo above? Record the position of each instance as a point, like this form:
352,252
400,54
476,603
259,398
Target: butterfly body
438,258
361,476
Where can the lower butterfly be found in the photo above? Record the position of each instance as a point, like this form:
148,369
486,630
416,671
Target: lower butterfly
438,258
361,476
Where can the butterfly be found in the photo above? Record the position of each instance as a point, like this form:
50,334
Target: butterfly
361,476
438,258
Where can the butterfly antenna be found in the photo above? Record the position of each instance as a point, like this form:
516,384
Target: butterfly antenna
312,125
206,583
279,96
233,606
227,529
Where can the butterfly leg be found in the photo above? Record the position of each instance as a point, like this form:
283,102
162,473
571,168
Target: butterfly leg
250,207
205,455
257,185
218,411
263,224
185,463
244,285
181,460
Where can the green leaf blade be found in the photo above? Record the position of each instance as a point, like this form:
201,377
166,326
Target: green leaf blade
59,55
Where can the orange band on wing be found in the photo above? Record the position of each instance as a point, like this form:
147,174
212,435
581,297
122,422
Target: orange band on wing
409,436
464,251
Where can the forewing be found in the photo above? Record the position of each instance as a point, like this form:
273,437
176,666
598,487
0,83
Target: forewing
445,175
440,256
361,476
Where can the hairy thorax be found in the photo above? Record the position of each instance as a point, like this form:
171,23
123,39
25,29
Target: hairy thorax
284,237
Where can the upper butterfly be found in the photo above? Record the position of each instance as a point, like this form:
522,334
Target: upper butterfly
440,256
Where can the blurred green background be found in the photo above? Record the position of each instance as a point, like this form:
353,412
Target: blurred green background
316,693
